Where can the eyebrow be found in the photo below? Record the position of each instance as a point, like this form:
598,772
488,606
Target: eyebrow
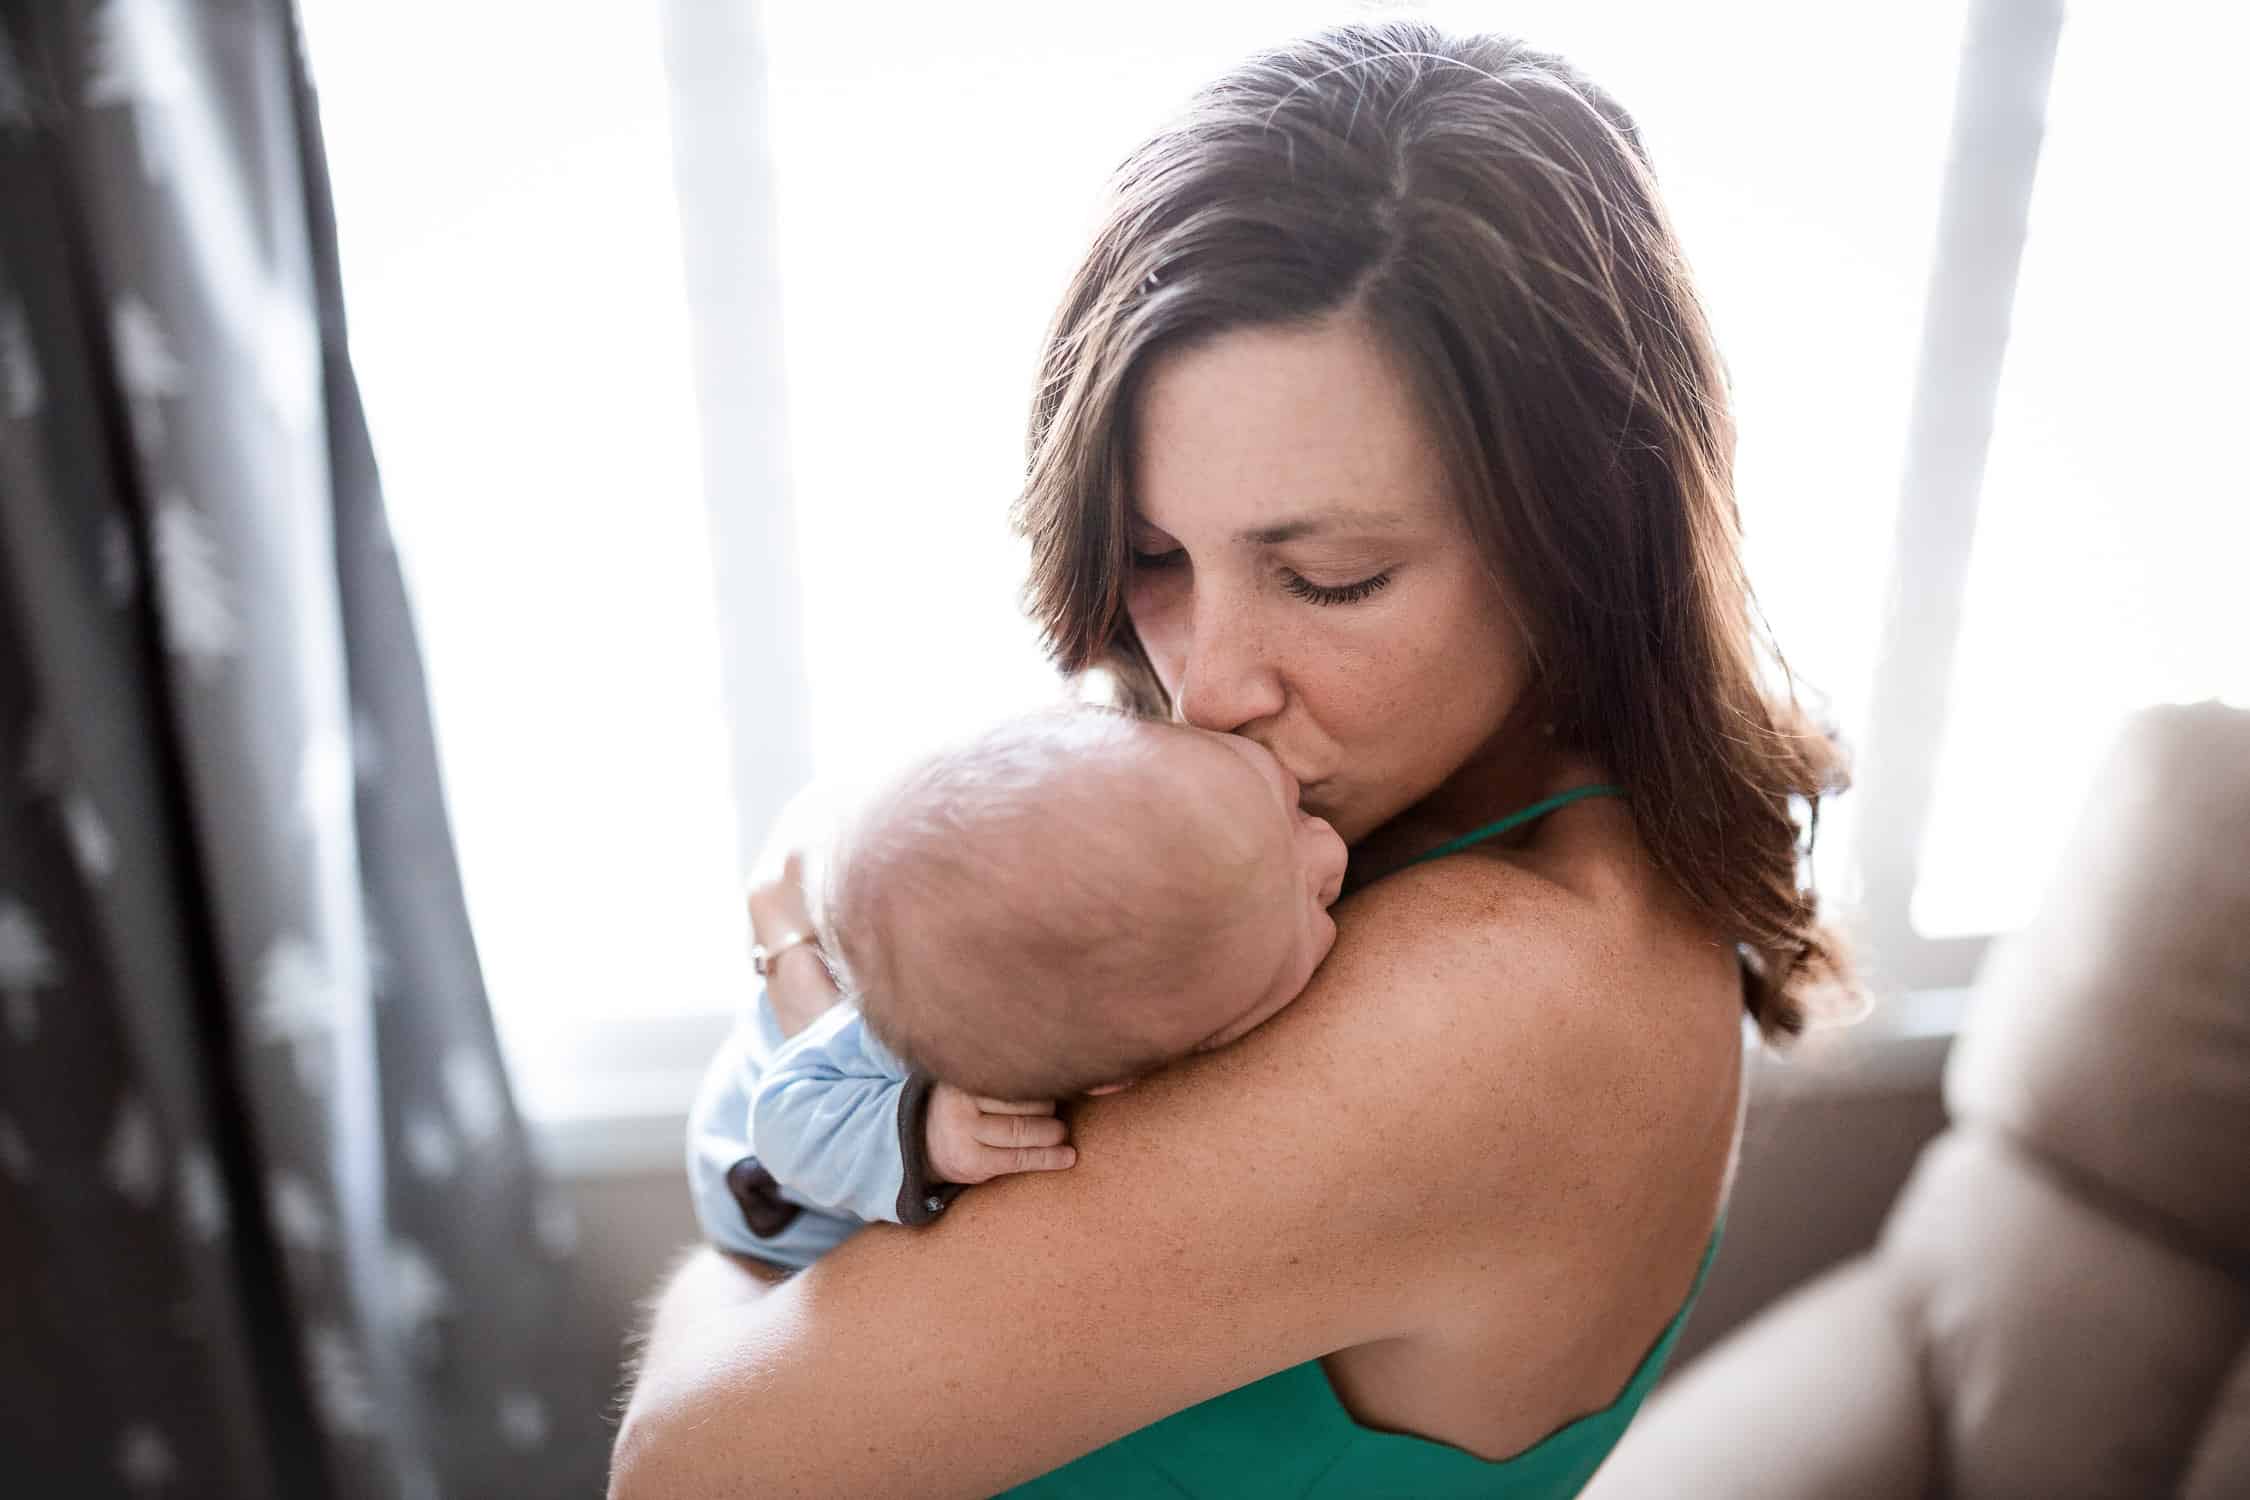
1328,520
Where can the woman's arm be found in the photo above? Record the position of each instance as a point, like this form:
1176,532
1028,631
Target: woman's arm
1245,1211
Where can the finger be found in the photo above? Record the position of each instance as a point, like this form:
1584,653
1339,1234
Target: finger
1018,1130
1025,1159
1016,1106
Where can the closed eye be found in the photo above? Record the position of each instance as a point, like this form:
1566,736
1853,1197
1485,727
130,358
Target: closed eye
1349,593
1294,583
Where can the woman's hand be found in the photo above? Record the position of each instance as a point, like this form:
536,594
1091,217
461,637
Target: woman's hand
972,1139
799,987
777,876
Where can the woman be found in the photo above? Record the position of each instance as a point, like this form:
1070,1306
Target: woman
1381,426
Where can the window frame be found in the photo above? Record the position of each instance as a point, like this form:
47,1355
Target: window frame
1992,161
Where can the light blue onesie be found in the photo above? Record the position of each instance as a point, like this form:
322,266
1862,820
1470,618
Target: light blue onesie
795,1142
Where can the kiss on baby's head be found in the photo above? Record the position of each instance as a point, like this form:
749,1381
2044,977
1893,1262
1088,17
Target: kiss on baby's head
1075,897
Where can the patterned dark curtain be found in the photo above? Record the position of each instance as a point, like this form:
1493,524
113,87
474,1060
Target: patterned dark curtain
268,1221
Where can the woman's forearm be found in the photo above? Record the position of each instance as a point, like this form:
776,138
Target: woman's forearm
688,1336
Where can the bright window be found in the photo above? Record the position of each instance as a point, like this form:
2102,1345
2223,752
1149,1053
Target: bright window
511,260
2107,571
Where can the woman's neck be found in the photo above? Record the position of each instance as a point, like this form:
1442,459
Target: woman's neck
1513,770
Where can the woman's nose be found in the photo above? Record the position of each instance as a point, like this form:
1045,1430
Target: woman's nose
1226,679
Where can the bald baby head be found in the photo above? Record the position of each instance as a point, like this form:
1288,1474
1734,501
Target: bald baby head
1025,914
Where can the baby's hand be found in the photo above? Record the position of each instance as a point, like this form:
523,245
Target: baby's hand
975,1140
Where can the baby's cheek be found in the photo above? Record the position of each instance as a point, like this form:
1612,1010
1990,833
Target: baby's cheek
1319,939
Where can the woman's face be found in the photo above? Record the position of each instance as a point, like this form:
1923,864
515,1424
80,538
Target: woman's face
1302,575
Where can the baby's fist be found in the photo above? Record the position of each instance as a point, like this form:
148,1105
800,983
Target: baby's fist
972,1139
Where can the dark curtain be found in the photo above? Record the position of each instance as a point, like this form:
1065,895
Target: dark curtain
268,1221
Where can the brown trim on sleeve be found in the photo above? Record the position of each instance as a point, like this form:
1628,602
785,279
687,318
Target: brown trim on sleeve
759,1197
920,1198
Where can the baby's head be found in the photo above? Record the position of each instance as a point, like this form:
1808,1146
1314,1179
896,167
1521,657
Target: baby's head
1076,897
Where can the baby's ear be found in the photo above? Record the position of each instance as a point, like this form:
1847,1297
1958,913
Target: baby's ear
1112,1088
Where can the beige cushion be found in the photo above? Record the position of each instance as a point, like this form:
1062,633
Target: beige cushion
2060,1302
2067,1353
2220,1469
2114,1032
1761,1417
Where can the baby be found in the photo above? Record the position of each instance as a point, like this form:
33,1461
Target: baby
1057,906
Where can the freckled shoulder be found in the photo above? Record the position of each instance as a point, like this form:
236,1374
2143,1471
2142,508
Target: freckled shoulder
1488,946
1576,1046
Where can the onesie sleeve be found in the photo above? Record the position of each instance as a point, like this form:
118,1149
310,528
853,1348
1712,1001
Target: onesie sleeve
718,1136
838,1120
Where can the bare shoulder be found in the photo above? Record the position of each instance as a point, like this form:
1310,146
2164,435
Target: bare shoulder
1485,1047
1587,992
1564,1045
1568,1055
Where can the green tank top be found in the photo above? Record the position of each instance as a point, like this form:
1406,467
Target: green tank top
1288,1437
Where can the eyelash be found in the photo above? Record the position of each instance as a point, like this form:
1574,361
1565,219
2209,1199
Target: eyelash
1302,588
1350,593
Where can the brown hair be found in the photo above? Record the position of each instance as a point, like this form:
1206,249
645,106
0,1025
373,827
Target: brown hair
1492,214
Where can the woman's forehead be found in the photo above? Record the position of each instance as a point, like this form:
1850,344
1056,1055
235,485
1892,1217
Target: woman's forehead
1271,434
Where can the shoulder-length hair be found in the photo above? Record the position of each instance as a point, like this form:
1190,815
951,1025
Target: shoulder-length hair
1491,213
